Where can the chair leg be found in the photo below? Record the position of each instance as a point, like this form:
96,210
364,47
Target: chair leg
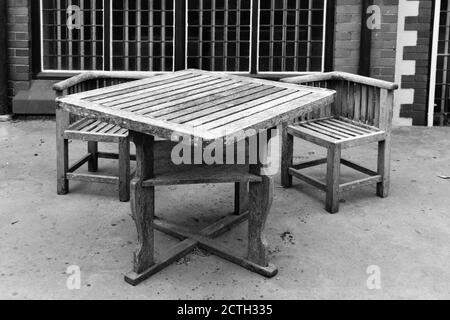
333,175
124,170
93,151
384,168
241,198
62,151
287,157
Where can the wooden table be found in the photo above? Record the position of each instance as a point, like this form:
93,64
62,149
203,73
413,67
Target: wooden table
202,105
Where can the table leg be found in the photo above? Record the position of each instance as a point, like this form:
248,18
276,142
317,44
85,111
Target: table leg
143,202
261,197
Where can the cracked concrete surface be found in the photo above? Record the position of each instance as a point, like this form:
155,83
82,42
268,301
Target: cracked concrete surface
320,256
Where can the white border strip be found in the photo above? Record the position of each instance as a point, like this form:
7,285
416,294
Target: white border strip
433,64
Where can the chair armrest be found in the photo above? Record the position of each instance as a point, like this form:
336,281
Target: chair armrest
92,75
342,76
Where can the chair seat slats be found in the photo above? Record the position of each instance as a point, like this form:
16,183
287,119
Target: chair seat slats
335,131
88,126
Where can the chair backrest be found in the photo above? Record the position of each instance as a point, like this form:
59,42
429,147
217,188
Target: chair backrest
361,99
95,80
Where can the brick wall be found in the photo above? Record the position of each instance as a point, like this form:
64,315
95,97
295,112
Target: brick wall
347,35
384,42
19,45
421,54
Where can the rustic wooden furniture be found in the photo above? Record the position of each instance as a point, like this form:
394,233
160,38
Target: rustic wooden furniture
362,114
206,107
93,132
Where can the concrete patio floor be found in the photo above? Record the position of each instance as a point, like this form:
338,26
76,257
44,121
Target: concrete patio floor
320,256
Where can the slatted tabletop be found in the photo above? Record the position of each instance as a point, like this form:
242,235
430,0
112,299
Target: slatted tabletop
197,103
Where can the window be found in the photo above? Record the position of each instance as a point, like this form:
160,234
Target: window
270,36
72,49
291,35
219,35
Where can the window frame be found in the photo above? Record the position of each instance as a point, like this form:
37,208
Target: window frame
180,40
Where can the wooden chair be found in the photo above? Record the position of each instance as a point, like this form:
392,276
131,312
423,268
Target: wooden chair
93,132
361,114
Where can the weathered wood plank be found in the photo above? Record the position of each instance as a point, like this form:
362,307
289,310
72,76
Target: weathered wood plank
359,183
287,156
314,182
129,86
124,170
62,151
275,116
202,175
92,178
77,165
160,87
226,116
217,106
143,202
333,176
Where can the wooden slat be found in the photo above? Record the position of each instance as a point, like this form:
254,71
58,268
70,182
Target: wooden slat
357,102
155,87
356,125
333,126
92,178
100,127
314,182
359,168
331,131
360,183
309,126
166,95
81,124
274,116
199,98
309,164
130,86
231,95
92,136
218,107
77,165
91,127
229,115
364,94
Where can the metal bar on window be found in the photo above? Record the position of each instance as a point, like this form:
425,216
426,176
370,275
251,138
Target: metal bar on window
225,37
297,35
94,34
200,36
284,36
58,34
69,43
151,34
82,53
238,34
308,50
138,35
126,39
213,34
163,35
272,35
